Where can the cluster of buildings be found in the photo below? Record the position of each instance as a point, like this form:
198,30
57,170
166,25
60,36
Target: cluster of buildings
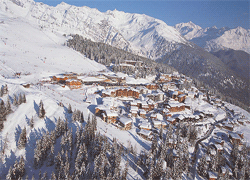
149,106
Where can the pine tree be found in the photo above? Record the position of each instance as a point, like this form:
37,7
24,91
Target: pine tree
51,155
53,176
2,111
81,117
69,109
32,122
15,100
20,99
8,106
21,167
41,110
1,92
24,98
22,139
10,174
5,89
45,176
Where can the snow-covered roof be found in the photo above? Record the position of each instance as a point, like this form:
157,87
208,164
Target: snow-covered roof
145,132
234,136
146,125
175,104
142,111
134,108
125,120
111,113
170,119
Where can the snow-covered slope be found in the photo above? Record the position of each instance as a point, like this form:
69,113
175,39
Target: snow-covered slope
133,32
28,49
214,39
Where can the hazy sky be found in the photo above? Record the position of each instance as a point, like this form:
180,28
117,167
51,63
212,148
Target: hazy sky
220,13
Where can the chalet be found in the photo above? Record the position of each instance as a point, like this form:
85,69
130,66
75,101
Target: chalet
145,125
133,103
241,134
171,120
229,127
142,113
73,83
59,78
176,76
151,105
142,89
219,141
111,117
159,124
125,122
152,86
174,94
235,138
108,93
144,105
100,109
174,106
181,98
169,85
121,92
218,148
241,121
146,134
134,110
165,78
180,118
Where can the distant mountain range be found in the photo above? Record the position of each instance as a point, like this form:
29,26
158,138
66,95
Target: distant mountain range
214,39
217,60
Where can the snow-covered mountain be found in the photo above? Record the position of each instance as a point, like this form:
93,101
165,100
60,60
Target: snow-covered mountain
136,33
214,39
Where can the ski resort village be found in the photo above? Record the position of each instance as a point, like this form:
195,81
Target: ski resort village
90,101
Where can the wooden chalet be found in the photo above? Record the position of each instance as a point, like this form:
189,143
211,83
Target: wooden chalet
125,123
159,124
146,134
145,125
142,113
171,120
74,83
152,86
181,98
229,127
121,92
134,110
235,138
174,106
165,78
110,117
218,148
59,79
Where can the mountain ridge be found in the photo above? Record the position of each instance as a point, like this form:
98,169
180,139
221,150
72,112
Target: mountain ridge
214,39
140,34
